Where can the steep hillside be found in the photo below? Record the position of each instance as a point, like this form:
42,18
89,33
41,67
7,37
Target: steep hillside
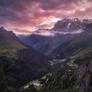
8,40
19,63
9,43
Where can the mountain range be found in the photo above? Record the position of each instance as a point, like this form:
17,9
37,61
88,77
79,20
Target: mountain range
46,41
63,55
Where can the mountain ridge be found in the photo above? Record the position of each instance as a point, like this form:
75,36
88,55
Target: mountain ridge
20,64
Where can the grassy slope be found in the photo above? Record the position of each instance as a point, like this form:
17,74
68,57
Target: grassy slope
9,44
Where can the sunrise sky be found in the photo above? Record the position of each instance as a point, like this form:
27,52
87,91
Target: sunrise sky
24,16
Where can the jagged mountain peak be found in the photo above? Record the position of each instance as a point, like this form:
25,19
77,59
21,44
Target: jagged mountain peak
1,28
4,30
68,25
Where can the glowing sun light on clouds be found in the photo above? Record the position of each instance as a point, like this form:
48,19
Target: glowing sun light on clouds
48,22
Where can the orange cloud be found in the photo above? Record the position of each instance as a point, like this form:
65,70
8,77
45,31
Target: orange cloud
16,27
48,27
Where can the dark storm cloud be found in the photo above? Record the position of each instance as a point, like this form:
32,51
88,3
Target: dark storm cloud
21,5
10,8
51,4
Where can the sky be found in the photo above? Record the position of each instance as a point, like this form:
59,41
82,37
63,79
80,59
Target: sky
25,16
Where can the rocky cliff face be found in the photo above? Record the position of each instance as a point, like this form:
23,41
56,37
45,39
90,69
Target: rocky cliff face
84,77
71,79
69,25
